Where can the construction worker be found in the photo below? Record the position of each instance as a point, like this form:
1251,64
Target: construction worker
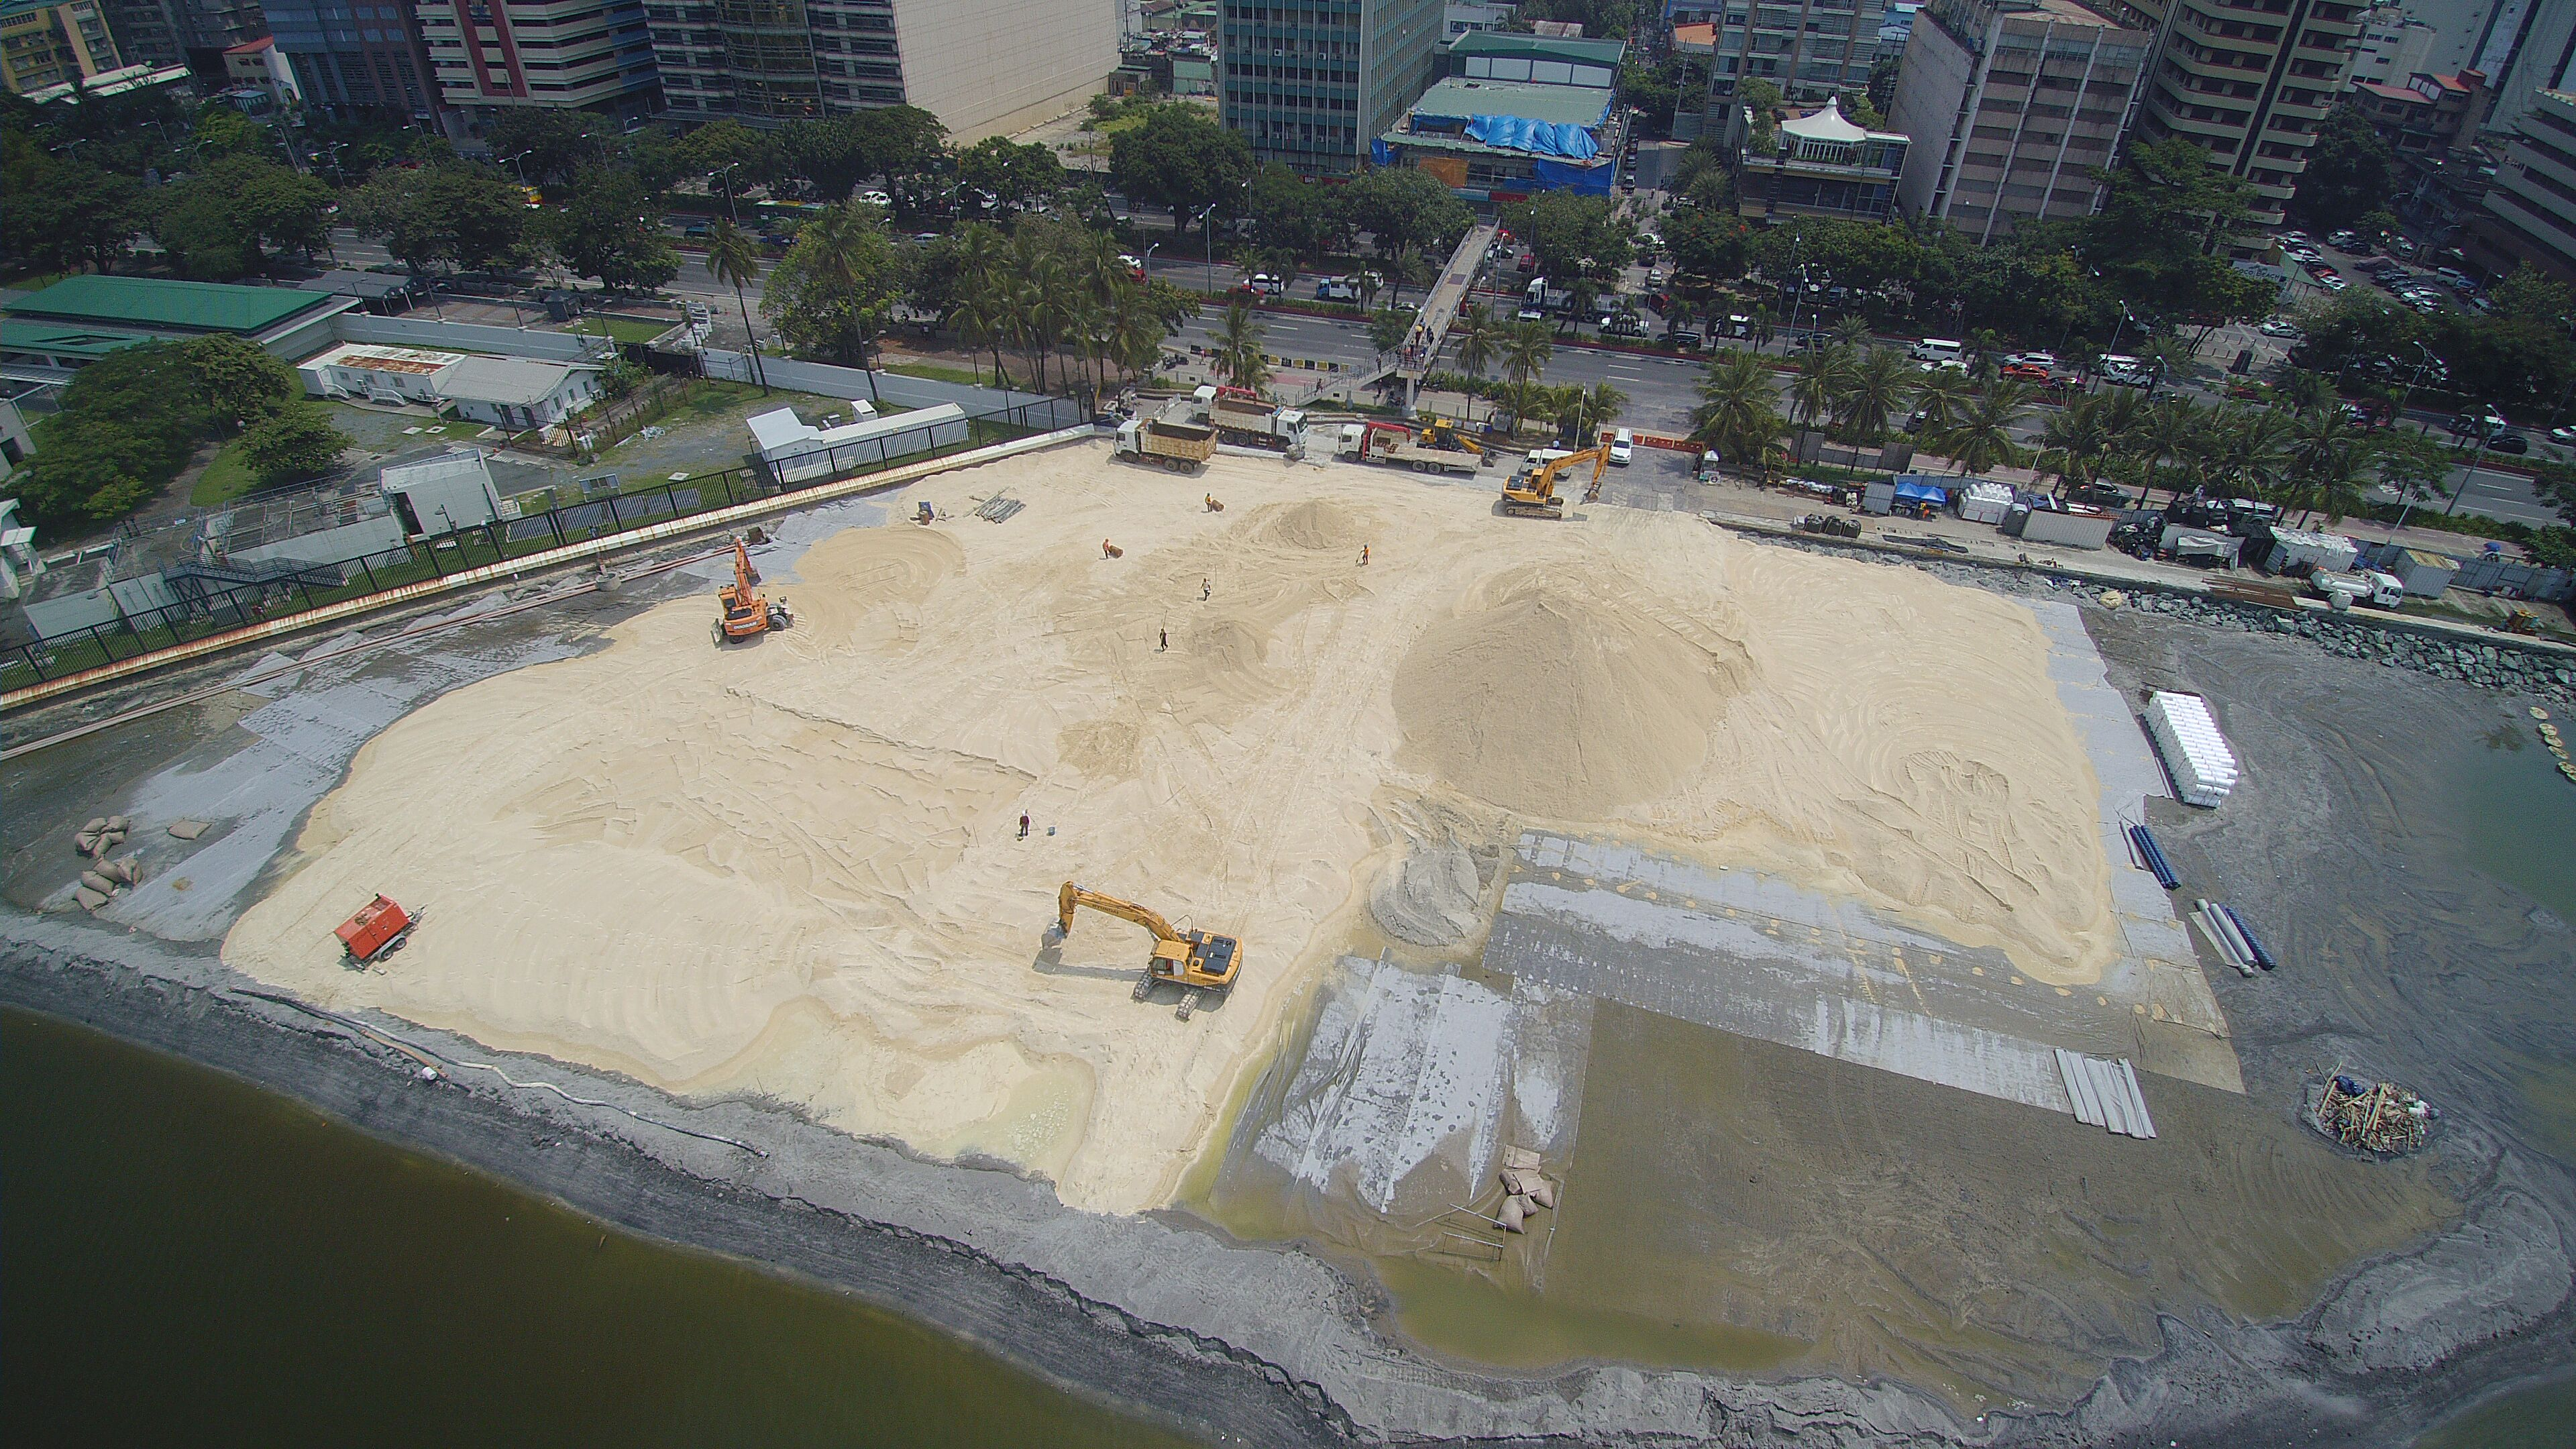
1106,551
1166,637
1024,825
1205,593
1364,555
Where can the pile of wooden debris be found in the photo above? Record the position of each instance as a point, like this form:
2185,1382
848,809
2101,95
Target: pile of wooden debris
2383,1117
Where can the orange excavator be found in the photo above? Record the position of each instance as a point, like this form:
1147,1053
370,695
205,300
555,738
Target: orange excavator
1534,491
746,613
1197,961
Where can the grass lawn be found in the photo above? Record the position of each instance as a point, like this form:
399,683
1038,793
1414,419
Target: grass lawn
934,372
623,329
225,479
1127,122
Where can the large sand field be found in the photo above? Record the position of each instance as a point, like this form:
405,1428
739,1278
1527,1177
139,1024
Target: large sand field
793,867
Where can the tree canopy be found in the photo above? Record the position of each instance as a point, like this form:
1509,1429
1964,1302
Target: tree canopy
1405,209
1181,160
457,215
607,231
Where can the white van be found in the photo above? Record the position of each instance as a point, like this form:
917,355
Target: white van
1940,352
1623,443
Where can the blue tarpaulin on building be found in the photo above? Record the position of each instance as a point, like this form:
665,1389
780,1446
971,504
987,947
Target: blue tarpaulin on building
1582,180
1381,154
1540,138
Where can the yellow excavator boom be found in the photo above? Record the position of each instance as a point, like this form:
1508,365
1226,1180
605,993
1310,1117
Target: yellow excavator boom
1538,489
1192,958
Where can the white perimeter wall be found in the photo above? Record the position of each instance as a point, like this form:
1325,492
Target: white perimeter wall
985,67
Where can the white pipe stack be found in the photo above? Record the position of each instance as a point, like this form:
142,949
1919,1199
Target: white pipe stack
2195,754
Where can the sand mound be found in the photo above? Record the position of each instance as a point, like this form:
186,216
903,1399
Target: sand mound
1559,703
1317,524
1429,898
795,867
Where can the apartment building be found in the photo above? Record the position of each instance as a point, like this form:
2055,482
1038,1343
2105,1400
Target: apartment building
2394,45
46,44
1823,164
587,54
2530,211
983,67
2011,106
1311,83
356,56
2247,80
147,32
1810,49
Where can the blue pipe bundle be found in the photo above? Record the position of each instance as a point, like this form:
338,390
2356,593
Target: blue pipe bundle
2262,957
2149,852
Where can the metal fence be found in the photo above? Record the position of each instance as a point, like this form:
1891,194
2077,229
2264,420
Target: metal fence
608,510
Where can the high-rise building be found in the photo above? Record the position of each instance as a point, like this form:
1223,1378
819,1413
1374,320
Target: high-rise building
586,54
1310,83
352,56
2249,81
147,31
2394,45
47,42
2530,212
2012,105
983,67
1808,48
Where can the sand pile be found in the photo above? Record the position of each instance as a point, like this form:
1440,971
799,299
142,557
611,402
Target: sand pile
794,868
1556,701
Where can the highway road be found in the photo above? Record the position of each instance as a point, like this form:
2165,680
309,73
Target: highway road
1661,390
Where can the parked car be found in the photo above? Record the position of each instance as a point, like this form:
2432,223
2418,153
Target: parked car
2566,435
2278,328
2514,443
876,198
2332,283
1682,337
2041,360
2026,371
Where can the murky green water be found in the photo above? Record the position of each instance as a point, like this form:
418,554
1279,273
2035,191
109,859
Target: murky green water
2517,814
2534,1418
190,1259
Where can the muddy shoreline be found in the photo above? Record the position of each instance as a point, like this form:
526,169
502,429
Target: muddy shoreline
1162,1316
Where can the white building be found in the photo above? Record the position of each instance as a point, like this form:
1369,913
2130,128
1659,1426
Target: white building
259,66
2394,45
508,392
388,375
442,495
519,392
797,451
983,67
17,545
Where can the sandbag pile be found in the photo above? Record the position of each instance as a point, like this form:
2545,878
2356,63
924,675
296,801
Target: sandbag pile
105,877
1529,1189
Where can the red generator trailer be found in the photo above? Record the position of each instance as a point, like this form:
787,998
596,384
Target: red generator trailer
378,929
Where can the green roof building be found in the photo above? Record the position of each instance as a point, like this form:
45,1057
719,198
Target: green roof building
51,333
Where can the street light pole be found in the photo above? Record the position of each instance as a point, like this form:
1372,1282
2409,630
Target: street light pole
2486,436
730,214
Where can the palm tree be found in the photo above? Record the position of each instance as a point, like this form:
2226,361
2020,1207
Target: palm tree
1875,387
1739,411
1580,293
838,238
982,316
2334,482
733,258
1818,388
1238,349
1526,347
1590,411
1982,437
1941,397
2076,442
1477,344
1851,330
2256,449
2161,431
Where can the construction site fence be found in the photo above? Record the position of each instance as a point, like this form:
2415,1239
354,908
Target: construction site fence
314,585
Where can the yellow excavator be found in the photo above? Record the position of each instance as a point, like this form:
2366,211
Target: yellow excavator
746,612
1198,961
1442,433
1534,491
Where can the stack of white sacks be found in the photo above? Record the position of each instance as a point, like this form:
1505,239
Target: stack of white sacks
2202,766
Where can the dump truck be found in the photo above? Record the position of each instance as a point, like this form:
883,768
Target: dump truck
1181,447
1396,446
1241,417
1197,961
